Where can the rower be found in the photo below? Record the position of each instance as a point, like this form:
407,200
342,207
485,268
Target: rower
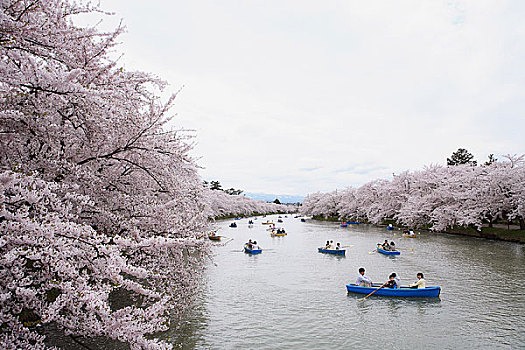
420,283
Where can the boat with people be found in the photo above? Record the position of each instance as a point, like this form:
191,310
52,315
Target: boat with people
303,220
409,234
275,234
331,251
343,224
214,237
252,251
280,220
278,232
403,291
387,252
233,224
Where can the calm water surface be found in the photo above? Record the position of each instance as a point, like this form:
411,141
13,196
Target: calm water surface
292,297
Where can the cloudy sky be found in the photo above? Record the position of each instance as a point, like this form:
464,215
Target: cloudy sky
294,97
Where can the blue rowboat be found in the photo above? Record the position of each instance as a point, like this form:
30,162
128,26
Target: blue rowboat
387,252
404,291
343,225
389,228
353,222
252,251
332,251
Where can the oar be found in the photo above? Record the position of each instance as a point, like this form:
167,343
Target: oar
372,292
346,246
375,250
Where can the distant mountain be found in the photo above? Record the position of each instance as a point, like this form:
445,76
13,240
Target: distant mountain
268,197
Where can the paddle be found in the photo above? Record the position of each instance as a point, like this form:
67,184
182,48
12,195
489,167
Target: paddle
346,246
375,250
372,292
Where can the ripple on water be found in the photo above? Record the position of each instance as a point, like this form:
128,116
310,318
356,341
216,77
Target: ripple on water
292,297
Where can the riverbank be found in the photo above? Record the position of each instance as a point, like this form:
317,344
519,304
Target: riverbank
233,216
495,233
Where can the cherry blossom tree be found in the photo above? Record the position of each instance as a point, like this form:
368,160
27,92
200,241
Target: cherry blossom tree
221,204
100,200
436,197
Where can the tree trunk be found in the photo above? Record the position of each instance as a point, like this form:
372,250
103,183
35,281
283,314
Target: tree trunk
522,224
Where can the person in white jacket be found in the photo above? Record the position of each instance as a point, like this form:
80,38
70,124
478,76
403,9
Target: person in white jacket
362,280
420,283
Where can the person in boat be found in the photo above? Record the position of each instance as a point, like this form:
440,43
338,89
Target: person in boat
391,283
331,245
249,245
420,283
282,230
327,246
411,233
255,246
386,245
362,280
338,246
397,279
392,246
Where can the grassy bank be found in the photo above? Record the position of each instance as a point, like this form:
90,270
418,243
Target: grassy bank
496,233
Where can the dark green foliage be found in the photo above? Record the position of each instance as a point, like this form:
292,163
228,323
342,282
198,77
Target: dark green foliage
52,294
216,185
28,317
233,192
491,160
461,156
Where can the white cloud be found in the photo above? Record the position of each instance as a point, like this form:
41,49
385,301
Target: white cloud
273,88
